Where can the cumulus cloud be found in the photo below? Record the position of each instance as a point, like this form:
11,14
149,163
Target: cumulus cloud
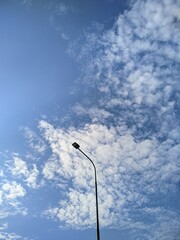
19,166
11,194
13,190
27,172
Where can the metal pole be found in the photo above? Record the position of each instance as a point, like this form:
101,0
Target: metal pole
96,191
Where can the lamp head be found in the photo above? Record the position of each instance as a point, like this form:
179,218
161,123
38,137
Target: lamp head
76,145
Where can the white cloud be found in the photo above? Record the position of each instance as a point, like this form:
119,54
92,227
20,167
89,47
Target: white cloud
124,168
1,197
12,236
13,190
35,142
11,194
57,11
32,177
3,226
64,36
61,9
19,166
25,171
166,224
27,3
1,173
94,113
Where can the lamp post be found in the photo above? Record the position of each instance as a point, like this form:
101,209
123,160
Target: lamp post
97,212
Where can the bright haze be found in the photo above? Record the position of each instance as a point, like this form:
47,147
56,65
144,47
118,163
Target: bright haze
104,74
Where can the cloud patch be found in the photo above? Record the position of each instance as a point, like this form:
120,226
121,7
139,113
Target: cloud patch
130,174
11,194
34,141
27,172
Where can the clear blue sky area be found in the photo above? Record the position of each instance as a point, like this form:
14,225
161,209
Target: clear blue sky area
105,74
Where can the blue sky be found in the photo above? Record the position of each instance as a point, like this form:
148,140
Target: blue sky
105,74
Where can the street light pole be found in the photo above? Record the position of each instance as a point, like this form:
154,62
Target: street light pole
97,211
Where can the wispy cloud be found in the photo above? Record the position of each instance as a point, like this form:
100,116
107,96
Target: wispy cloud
1,173
3,226
58,11
61,9
34,141
12,236
27,3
